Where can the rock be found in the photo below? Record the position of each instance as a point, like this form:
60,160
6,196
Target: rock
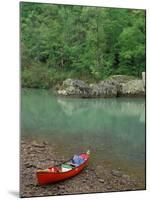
133,88
110,87
45,142
35,144
61,187
62,92
79,88
123,182
116,173
133,189
101,180
116,85
73,87
29,165
143,78
127,177
109,187
84,180
121,78
75,83
23,142
126,180
103,89
92,169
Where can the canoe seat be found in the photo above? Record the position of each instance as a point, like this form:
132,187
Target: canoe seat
51,169
71,163
54,169
66,167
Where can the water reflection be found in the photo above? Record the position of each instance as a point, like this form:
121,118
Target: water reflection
115,107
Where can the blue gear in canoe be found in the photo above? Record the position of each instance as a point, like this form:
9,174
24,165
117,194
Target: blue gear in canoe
77,160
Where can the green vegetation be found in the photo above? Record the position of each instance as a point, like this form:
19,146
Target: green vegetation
88,43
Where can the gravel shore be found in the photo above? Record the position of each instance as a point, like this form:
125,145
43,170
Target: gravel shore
40,155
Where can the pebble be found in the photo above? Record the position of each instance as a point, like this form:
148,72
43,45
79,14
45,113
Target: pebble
61,187
34,155
127,177
116,173
123,182
35,144
101,180
29,165
109,187
92,169
45,142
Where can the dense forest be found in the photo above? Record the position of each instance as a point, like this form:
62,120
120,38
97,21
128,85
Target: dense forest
88,43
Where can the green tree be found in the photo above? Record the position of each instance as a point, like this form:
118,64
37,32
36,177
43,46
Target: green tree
90,43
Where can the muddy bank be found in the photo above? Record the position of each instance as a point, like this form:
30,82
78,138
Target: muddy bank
40,154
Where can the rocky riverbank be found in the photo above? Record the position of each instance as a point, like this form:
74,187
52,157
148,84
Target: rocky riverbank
114,86
41,154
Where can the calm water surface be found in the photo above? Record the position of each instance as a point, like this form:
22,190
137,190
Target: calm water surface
113,129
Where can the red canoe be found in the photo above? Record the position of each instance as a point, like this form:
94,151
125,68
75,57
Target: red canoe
63,171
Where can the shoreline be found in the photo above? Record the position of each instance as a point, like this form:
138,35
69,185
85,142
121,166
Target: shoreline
35,154
80,97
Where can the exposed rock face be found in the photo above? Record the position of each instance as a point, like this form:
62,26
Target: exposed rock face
116,85
79,88
73,87
116,173
103,89
121,78
118,81
75,83
133,88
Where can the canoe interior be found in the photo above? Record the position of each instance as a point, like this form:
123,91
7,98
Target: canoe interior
55,173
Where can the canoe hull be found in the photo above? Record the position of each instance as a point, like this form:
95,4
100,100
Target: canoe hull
49,177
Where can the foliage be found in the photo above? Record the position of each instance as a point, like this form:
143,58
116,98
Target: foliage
90,43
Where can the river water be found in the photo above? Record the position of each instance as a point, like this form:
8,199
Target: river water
113,129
